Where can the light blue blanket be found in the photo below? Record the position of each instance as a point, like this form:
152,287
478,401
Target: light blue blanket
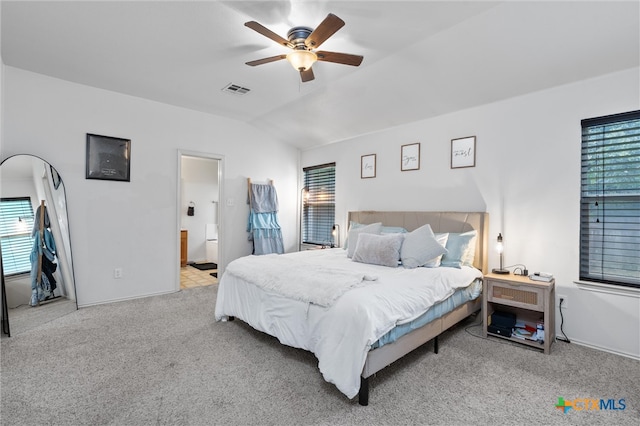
263,227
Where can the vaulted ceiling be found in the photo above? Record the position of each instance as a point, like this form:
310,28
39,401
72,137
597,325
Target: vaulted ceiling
421,58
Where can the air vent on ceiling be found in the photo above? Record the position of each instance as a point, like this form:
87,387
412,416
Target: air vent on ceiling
235,89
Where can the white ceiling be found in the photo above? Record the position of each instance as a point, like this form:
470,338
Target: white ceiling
421,58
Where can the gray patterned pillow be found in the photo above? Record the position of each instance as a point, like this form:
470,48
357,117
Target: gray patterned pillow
374,228
378,249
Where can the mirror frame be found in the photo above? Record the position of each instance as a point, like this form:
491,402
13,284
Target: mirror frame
56,182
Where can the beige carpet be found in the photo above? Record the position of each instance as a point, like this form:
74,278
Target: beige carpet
25,317
164,361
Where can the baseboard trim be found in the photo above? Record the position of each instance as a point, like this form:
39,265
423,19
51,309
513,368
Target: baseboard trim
601,348
105,302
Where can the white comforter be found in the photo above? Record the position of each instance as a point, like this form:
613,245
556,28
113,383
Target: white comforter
293,277
341,335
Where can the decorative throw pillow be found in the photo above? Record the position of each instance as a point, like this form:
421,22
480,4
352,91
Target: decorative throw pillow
393,230
419,247
470,253
462,249
378,249
383,230
442,240
374,228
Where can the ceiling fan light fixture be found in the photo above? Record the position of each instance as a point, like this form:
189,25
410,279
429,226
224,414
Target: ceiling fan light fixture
303,41
302,60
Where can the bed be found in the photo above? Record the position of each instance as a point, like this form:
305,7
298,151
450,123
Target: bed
358,317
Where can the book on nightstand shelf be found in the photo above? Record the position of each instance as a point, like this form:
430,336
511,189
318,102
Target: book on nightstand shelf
528,331
541,276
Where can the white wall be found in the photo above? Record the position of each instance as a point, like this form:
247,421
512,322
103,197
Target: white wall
527,176
133,225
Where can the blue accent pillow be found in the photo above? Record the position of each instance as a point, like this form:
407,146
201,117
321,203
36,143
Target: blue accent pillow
419,247
393,230
461,249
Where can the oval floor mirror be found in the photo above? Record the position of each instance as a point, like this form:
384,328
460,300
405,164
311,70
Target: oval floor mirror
38,284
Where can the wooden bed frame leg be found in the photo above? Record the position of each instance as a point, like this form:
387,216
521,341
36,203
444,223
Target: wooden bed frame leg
363,395
435,345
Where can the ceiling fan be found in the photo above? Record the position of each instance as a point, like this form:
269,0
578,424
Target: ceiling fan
304,41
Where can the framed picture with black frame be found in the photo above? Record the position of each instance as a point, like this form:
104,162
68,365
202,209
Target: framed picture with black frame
108,158
463,152
368,166
410,157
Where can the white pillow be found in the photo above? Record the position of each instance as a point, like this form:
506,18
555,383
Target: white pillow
378,249
470,253
419,247
374,228
442,240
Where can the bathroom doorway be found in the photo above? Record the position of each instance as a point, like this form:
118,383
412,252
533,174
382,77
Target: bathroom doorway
200,218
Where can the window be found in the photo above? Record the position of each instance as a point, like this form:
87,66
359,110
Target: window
319,204
16,224
610,200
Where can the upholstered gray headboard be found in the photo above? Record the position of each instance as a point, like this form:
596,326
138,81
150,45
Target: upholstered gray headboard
440,222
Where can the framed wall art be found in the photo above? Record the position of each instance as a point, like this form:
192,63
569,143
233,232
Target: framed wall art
463,152
368,166
108,158
410,157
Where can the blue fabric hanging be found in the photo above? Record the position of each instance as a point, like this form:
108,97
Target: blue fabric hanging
263,227
43,245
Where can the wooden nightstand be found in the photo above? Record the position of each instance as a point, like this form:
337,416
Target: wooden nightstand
531,301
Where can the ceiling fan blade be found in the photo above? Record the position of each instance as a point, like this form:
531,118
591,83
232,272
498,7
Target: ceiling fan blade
266,60
307,75
340,58
268,33
326,29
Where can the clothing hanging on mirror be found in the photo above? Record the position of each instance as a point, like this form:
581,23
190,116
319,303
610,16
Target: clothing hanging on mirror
43,256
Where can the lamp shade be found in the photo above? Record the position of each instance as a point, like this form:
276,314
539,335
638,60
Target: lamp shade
500,250
499,245
301,60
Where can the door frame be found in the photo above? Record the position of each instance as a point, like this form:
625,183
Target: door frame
221,234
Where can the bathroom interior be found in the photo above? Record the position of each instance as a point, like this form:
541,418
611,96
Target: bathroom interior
200,194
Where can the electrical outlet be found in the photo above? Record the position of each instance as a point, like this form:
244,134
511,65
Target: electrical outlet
564,301
117,273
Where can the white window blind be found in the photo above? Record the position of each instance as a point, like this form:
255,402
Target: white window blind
16,224
319,204
610,200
